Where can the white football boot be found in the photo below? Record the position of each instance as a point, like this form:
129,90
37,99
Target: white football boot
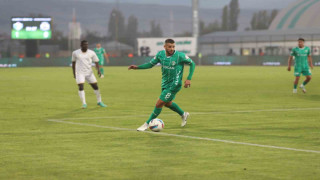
102,76
303,88
294,91
143,127
184,118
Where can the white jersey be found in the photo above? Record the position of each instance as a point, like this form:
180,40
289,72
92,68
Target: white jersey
84,61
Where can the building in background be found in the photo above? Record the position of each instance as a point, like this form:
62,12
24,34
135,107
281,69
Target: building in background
299,19
187,45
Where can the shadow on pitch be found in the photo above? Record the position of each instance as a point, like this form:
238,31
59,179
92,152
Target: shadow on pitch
311,97
73,113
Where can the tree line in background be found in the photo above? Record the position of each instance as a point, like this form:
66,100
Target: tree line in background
119,30
127,33
229,20
262,19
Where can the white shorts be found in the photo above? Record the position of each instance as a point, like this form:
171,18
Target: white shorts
90,78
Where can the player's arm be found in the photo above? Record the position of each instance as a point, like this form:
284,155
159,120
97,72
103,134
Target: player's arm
148,65
95,59
187,60
73,60
106,56
310,59
290,59
290,62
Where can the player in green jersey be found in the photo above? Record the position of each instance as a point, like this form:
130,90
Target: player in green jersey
101,53
303,63
172,65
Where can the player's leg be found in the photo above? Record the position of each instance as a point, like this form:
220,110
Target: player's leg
174,107
156,111
305,82
98,94
295,84
94,84
308,79
101,63
82,95
80,79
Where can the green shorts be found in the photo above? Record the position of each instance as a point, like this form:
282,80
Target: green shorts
305,72
168,95
101,62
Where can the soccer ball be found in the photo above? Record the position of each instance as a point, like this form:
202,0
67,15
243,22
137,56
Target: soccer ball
156,125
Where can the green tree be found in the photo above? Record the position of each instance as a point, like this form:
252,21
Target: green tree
224,18
262,19
211,27
132,30
116,27
184,34
274,13
234,11
155,30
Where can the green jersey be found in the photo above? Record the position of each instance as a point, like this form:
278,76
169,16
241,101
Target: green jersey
301,57
100,53
172,69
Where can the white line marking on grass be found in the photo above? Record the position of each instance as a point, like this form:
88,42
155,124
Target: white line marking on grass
197,113
189,137
261,110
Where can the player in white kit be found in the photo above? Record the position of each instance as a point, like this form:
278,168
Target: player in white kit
81,65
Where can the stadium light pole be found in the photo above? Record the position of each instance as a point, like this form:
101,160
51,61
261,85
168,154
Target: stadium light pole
195,22
195,17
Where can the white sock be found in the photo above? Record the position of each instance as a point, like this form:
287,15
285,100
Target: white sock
97,92
82,97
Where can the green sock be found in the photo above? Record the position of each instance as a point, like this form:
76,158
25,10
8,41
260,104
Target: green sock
102,71
295,86
305,83
154,114
174,107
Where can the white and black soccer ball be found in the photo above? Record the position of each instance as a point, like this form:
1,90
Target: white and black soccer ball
156,125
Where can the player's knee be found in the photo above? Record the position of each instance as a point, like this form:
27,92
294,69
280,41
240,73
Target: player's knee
95,86
168,104
160,104
309,78
81,87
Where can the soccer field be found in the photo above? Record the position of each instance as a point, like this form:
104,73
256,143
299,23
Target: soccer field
245,124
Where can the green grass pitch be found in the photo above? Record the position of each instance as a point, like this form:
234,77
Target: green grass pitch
241,104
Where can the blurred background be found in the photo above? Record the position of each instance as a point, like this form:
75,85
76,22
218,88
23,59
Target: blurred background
212,32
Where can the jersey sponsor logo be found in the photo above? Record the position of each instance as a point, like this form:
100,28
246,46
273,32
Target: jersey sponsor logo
302,54
168,67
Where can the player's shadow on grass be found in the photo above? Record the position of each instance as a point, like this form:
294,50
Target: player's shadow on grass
312,97
72,113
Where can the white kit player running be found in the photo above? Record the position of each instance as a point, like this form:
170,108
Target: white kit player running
81,65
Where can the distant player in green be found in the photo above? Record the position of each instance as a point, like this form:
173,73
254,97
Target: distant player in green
303,63
101,53
172,65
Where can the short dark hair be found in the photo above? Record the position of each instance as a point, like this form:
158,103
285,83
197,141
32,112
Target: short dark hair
84,41
171,41
301,39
